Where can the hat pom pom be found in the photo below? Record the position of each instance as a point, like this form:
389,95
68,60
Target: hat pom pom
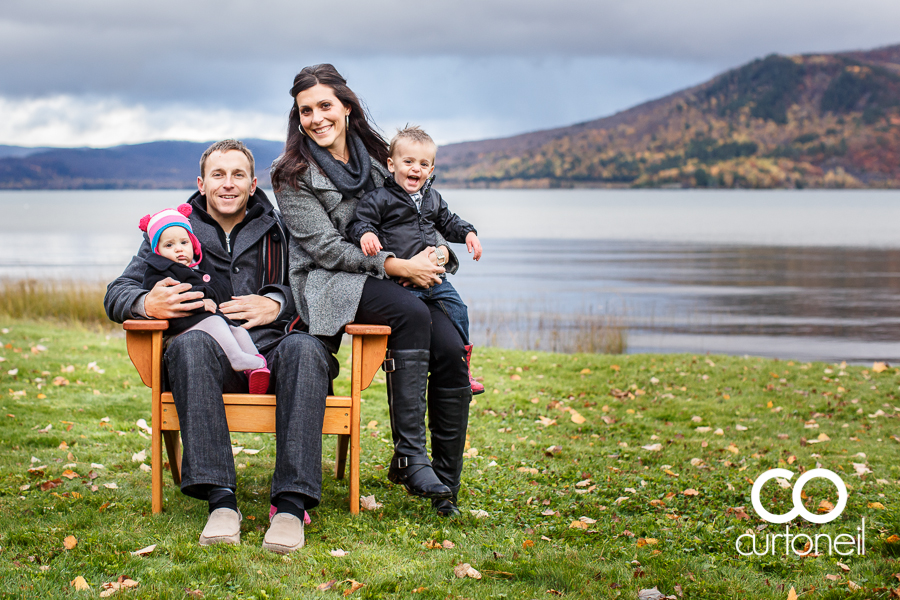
185,209
145,221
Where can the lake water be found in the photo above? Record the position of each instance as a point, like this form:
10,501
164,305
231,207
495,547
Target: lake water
794,274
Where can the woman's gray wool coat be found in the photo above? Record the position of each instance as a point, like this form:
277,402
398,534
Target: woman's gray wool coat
327,273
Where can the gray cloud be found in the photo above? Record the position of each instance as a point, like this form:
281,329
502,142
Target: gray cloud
496,66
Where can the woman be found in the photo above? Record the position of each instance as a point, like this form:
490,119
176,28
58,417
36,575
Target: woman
331,158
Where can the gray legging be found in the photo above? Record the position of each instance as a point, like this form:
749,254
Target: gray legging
235,341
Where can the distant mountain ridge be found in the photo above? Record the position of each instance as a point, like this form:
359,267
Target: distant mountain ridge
818,120
815,120
154,165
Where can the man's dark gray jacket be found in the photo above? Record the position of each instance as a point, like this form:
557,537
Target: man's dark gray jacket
252,266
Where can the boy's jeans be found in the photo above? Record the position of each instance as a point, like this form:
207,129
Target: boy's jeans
446,296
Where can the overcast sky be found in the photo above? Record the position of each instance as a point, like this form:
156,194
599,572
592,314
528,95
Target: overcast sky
105,72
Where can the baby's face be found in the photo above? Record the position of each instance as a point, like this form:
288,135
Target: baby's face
411,163
175,244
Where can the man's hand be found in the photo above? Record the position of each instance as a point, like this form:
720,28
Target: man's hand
370,244
473,245
255,310
170,299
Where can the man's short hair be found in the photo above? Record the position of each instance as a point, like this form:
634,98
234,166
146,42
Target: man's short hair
225,146
411,133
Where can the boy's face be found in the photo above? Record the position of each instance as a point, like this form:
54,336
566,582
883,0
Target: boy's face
411,163
175,245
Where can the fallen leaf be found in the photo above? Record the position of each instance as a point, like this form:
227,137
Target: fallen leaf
235,450
843,567
49,485
139,456
144,551
550,513
70,542
879,367
876,505
792,594
79,584
893,539
194,593
339,553
577,418
587,520
326,586
111,486
447,545
354,585
652,594
833,577
527,544
553,450
142,423
853,586
465,570
369,503
646,542
578,525
653,447
479,514
531,470
691,492
69,474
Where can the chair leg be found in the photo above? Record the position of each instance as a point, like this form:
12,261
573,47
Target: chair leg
340,461
173,450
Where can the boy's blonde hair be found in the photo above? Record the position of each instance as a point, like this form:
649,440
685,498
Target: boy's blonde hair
411,133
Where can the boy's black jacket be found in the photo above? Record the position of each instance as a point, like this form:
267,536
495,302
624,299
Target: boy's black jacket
391,214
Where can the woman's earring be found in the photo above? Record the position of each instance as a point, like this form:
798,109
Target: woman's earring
347,120
300,127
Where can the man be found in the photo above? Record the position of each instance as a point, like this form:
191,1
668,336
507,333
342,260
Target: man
240,234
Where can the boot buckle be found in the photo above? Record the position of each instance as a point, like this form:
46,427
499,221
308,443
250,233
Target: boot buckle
388,365
402,462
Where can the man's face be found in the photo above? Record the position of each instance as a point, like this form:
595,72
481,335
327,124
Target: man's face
227,185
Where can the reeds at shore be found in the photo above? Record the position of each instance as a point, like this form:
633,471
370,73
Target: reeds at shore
549,331
78,302
68,301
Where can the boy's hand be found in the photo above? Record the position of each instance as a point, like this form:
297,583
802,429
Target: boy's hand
370,244
209,305
473,245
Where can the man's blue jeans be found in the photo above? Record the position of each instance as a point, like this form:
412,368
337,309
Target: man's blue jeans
199,372
447,298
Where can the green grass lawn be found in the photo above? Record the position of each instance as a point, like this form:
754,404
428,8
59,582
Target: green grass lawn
592,476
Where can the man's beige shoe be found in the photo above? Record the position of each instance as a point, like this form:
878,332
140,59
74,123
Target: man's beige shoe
285,534
222,527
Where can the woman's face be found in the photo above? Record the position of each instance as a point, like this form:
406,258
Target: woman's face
323,117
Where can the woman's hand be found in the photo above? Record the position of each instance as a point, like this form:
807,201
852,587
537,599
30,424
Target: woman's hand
418,270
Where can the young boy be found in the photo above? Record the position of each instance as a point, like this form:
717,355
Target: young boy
402,217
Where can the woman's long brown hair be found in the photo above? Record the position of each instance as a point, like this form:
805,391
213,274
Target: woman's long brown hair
296,157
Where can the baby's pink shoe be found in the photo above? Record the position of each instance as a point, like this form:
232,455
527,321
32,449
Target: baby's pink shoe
258,378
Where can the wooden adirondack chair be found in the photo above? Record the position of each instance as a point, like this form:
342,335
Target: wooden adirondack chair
253,413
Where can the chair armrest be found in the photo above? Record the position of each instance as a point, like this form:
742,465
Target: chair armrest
355,329
145,325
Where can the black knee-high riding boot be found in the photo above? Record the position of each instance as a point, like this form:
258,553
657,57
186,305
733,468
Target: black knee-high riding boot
448,419
407,379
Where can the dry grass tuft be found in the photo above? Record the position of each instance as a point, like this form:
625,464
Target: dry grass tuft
66,301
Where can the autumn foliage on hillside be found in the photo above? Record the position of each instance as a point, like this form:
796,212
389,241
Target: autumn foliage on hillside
779,122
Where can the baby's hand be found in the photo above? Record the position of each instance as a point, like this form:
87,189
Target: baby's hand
473,245
209,305
370,244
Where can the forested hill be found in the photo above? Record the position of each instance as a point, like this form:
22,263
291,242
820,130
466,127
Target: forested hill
818,120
